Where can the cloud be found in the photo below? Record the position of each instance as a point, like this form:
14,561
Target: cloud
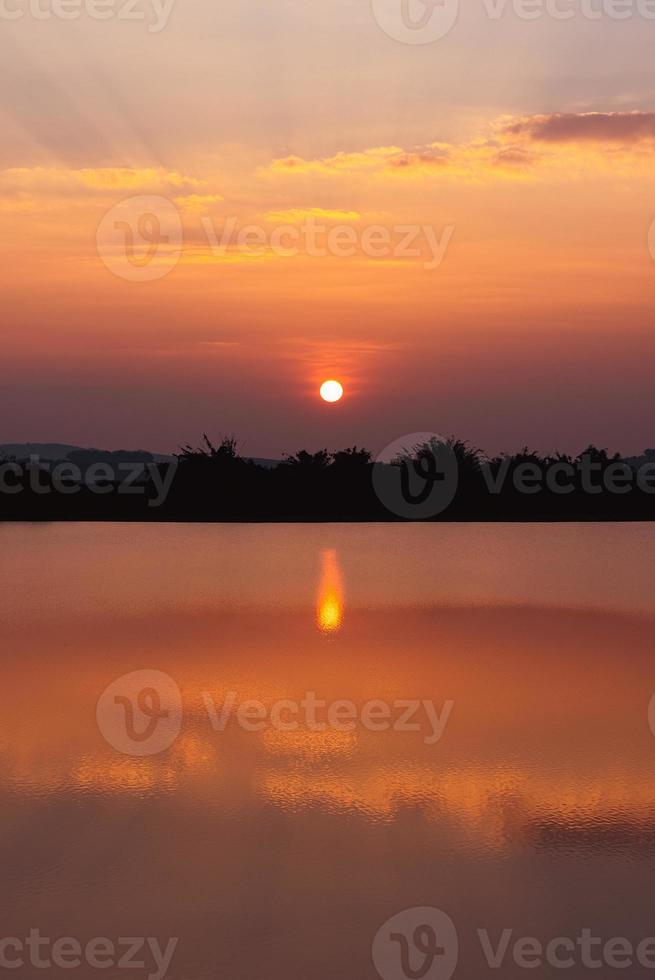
432,157
128,179
467,160
62,180
362,161
61,198
292,216
509,148
51,190
197,203
596,127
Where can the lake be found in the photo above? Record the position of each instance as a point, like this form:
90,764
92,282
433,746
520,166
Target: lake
268,741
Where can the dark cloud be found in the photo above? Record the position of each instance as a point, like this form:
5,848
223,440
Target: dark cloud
599,127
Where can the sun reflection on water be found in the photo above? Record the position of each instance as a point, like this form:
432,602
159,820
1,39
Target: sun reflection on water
329,610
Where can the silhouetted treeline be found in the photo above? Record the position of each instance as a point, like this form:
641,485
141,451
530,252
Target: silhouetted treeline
436,480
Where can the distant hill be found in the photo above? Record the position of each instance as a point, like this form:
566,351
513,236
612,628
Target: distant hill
46,450
648,456
84,456
61,451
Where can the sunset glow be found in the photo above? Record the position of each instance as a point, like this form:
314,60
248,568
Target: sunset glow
434,231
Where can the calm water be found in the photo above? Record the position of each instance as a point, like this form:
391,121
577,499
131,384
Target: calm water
279,852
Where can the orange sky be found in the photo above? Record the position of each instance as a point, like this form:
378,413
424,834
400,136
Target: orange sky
521,152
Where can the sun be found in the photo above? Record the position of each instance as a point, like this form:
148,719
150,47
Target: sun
331,391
